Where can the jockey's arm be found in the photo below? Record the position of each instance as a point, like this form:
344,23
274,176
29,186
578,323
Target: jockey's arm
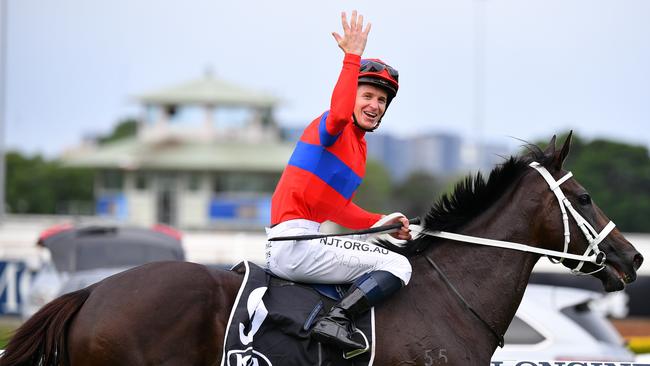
354,217
344,95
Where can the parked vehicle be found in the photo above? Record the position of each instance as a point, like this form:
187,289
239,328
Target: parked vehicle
81,256
561,323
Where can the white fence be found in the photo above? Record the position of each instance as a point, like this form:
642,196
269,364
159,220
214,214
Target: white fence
18,236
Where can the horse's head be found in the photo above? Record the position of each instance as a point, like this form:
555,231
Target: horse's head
589,231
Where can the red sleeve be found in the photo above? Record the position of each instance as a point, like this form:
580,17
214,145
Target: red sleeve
354,217
344,95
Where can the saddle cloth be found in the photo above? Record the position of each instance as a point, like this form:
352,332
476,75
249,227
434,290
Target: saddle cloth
270,322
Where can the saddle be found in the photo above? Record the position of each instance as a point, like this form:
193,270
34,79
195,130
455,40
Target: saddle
271,320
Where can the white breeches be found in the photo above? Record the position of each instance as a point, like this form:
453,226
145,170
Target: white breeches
328,260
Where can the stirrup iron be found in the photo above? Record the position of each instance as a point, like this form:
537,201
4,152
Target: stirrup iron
356,352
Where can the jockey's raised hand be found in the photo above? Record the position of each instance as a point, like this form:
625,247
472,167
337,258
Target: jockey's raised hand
354,36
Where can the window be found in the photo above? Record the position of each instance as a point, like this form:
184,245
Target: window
520,332
244,182
111,180
233,117
151,114
596,325
188,115
193,182
141,181
219,183
171,110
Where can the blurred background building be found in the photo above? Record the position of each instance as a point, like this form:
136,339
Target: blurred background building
207,153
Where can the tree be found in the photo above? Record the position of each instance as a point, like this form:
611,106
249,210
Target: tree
35,185
417,193
125,128
374,193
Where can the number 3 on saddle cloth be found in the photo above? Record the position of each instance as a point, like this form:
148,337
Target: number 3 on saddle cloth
271,320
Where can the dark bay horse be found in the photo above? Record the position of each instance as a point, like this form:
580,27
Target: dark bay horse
175,313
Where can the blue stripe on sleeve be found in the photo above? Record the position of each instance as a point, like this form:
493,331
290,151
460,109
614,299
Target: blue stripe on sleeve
325,138
326,166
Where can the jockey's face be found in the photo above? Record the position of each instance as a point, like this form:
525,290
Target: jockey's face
370,105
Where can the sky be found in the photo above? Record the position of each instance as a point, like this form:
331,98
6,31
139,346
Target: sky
482,69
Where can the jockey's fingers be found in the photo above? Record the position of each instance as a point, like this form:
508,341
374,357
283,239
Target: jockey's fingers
353,20
344,22
365,32
337,37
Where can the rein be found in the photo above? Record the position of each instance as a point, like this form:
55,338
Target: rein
460,297
506,244
594,238
378,229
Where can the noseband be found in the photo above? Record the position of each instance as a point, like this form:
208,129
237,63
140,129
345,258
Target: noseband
593,237
592,254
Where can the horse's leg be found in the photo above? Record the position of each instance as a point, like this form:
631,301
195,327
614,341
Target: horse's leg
170,313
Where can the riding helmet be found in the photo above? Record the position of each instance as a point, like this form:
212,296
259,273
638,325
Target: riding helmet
376,72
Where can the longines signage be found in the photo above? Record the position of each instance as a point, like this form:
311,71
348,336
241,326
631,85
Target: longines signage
565,363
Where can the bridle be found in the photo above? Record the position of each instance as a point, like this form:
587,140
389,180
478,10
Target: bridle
593,237
592,254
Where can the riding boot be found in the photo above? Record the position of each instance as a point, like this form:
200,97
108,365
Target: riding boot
337,326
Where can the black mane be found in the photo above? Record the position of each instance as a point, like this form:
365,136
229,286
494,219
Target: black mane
474,194
471,196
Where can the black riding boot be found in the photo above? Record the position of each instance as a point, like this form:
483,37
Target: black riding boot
337,327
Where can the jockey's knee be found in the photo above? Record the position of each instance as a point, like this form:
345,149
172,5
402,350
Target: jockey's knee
400,267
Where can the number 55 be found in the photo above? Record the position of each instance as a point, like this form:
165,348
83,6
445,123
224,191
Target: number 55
429,361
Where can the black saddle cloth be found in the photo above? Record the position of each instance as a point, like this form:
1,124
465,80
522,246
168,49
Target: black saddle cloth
271,320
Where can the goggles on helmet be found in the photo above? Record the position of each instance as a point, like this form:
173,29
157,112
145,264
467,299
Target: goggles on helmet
375,66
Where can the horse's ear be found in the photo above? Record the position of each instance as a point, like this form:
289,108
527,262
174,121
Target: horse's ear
550,149
558,159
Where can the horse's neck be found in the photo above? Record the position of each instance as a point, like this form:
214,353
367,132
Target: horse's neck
492,280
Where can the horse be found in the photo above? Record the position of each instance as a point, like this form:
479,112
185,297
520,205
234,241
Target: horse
175,313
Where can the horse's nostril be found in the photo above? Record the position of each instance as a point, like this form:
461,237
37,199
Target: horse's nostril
638,260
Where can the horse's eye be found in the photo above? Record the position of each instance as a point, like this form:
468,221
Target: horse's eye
584,199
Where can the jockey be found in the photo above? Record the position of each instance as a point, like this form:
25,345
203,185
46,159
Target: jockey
318,184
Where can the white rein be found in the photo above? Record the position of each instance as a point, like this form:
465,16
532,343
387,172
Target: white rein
594,238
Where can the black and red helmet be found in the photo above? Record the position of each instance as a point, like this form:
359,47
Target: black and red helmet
376,72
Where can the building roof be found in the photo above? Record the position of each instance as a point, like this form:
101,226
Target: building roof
178,155
209,90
